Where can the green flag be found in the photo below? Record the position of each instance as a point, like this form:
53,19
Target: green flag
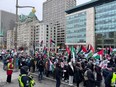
89,54
96,56
73,53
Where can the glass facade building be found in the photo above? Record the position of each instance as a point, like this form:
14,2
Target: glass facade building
95,26
76,28
105,24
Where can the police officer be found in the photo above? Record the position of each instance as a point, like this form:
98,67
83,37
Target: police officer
110,80
24,79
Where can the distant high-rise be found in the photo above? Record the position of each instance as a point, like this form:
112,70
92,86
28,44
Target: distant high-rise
7,22
54,16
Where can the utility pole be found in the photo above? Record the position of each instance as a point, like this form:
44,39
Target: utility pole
15,42
34,40
16,24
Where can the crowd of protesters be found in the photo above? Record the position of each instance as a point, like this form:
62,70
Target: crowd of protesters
89,72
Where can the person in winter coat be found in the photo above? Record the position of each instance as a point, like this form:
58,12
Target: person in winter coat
90,65
32,65
89,78
78,74
58,75
65,71
24,79
28,62
9,70
106,71
98,76
71,73
47,68
40,66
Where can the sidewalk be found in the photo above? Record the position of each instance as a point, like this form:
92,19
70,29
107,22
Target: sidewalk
4,75
62,82
16,74
48,78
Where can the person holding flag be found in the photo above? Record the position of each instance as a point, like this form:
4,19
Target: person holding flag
58,74
71,72
52,41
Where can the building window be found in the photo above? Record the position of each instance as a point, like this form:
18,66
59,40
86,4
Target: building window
74,35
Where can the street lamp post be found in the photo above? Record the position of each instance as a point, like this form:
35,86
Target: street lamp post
15,42
16,24
34,48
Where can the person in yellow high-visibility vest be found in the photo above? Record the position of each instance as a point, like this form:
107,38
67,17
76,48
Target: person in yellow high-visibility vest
110,80
24,79
10,67
113,80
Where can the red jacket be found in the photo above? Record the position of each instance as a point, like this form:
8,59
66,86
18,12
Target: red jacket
10,69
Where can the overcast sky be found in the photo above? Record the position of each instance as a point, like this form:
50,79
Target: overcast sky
9,5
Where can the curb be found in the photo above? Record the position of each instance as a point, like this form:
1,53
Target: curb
53,80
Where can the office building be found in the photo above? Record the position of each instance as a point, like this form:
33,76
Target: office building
26,31
92,23
30,33
54,17
11,39
40,36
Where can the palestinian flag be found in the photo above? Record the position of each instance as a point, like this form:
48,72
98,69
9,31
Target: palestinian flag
88,47
82,50
45,50
78,49
100,52
66,53
68,50
92,49
97,55
52,67
114,51
41,43
51,41
48,53
105,51
73,53
110,50
89,53
69,57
